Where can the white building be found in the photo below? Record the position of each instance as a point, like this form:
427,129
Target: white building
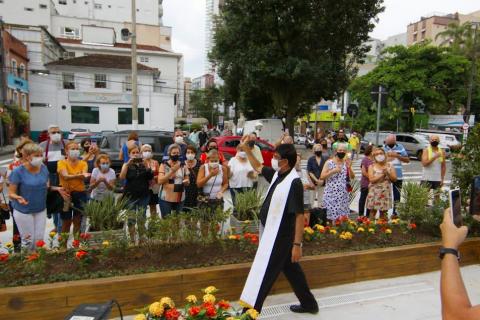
94,92
395,40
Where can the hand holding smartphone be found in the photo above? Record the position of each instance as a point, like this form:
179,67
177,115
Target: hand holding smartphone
456,206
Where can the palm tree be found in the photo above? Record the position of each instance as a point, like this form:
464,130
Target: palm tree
460,38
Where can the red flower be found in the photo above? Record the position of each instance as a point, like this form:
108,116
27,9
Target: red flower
4,257
85,236
254,239
208,305
16,238
412,226
224,305
76,243
40,243
193,311
79,255
211,312
172,314
327,228
33,257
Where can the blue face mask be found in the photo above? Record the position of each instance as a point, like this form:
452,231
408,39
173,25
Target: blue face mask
104,166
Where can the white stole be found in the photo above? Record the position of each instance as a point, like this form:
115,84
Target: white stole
267,240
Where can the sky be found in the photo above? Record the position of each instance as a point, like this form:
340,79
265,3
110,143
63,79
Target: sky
187,19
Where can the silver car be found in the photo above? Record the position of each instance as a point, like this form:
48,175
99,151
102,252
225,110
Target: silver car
414,144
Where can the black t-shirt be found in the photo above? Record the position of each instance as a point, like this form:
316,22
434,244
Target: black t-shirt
294,202
138,180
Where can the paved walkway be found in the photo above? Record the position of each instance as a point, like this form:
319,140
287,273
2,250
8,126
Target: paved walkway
414,298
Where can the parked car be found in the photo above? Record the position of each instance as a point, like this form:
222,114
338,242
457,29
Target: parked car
300,139
113,142
414,144
446,139
228,146
371,136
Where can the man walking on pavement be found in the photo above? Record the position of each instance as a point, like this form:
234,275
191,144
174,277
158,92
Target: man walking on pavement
396,155
281,233
355,143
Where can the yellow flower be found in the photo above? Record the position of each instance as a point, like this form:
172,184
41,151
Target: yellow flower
106,244
232,237
346,236
395,221
230,318
252,313
209,298
371,230
388,231
319,227
333,231
52,234
156,309
246,221
166,301
210,290
8,245
360,230
140,317
191,299
309,230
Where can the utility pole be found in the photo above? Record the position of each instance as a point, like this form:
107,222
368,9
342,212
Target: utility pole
471,82
377,95
134,68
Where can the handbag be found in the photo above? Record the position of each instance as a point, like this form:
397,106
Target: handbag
203,199
4,209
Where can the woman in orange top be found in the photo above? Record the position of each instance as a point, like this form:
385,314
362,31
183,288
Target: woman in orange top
72,173
212,144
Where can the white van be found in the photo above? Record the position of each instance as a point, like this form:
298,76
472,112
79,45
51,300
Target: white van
446,139
267,129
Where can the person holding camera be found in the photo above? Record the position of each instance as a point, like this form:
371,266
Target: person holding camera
213,179
137,182
173,176
455,301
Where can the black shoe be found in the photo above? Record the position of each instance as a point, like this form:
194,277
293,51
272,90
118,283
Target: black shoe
299,309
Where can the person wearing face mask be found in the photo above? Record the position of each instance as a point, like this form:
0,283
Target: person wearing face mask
151,163
381,175
241,174
172,178
137,182
281,232
434,164
132,141
102,182
315,166
191,189
367,161
396,155
336,173
213,179
72,172
179,140
54,151
326,152
212,144
28,186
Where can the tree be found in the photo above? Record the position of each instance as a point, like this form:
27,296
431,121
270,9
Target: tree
433,75
292,52
205,102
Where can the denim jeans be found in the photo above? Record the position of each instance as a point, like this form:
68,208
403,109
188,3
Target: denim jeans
166,207
57,221
140,207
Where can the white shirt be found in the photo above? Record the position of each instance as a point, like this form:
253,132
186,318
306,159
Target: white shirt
240,171
101,189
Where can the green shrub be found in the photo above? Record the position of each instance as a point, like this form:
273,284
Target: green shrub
248,204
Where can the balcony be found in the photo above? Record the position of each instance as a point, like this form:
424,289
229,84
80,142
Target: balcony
17,83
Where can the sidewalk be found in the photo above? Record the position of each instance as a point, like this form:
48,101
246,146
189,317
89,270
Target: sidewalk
7,150
414,298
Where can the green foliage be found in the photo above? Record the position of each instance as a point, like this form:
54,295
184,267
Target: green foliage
204,102
466,164
106,214
290,53
248,204
436,76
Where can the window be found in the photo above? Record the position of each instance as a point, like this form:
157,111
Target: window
43,6
21,71
64,2
410,140
28,9
125,116
144,59
72,33
68,81
157,87
40,105
15,97
14,67
85,115
101,81
68,55
414,37
98,6
24,101
127,85
232,143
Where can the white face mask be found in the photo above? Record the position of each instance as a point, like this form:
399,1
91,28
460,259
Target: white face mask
74,154
380,158
213,165
147,154
275,164
178,139
242,154
190,156
36,161
55,137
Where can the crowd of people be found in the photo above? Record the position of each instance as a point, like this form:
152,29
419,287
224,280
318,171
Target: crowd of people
56,178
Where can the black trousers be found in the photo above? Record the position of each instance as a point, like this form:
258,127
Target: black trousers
361,202
281,261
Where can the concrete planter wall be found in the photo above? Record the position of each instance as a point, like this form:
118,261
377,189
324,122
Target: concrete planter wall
55,301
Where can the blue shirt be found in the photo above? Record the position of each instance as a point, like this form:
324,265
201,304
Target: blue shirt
32,187
314,167
397,164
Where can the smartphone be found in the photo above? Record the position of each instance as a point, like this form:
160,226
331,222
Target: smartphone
456,207
286,131
475,196
94,143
